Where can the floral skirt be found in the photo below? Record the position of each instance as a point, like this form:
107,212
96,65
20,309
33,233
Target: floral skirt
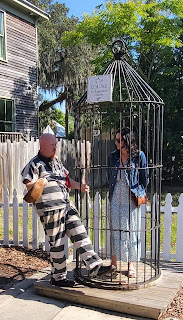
125,221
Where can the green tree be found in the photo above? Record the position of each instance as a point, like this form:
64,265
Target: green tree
50,115
61,69
153,32
167,79
147,27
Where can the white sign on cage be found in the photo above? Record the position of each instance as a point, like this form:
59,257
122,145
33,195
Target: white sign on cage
99,88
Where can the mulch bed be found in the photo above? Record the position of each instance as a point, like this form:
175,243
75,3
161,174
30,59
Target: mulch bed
175,309
18,263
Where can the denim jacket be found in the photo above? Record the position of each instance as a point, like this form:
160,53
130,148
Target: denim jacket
136,179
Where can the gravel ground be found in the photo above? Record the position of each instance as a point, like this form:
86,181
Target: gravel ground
18,263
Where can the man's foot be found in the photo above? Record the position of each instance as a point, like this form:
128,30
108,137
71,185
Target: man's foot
63,283
101,270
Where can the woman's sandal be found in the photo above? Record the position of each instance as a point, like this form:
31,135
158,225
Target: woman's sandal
131,273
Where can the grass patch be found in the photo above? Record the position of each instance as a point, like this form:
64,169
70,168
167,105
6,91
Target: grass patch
173,232
20,224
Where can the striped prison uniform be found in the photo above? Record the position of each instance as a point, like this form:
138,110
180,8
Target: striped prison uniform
58,216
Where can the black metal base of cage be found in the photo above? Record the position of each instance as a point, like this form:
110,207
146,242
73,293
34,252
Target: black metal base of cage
109,282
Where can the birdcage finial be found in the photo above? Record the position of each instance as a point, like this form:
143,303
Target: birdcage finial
119,49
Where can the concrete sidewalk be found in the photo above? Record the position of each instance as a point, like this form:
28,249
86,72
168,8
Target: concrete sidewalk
22,302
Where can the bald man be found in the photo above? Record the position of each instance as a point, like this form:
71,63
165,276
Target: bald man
58,216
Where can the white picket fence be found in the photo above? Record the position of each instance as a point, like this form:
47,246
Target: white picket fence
98,207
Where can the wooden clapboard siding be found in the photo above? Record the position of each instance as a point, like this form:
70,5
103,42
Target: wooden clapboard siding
18,76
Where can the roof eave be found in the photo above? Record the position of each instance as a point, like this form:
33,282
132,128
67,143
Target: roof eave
29,8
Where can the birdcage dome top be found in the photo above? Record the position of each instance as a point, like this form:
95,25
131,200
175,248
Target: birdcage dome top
127,85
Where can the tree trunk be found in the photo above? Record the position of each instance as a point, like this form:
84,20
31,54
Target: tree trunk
66,118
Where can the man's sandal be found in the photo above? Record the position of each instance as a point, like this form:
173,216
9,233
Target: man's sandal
131,273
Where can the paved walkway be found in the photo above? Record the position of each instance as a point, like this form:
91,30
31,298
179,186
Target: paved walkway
23,302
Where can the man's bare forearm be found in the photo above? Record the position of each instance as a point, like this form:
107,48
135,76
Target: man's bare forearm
79,186
74,184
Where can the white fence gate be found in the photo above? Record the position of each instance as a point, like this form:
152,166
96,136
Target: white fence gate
98,206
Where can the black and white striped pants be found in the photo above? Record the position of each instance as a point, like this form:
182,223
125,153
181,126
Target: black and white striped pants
59,223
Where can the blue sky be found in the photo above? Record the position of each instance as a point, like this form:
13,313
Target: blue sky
77,7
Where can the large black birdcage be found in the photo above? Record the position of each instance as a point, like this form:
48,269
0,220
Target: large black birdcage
134,105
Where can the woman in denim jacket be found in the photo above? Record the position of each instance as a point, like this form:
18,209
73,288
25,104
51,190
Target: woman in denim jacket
128,179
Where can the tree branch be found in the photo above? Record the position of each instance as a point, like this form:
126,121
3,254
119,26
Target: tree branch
47,104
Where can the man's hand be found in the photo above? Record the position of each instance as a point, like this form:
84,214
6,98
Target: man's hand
35,192
29,184
45,181
85,188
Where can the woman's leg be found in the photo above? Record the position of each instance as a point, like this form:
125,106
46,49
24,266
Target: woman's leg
114,217
134,236
114,260
134,241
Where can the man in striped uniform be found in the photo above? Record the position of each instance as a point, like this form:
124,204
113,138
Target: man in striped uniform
58,216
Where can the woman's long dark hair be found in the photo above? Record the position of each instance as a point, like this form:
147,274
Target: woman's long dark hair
129,140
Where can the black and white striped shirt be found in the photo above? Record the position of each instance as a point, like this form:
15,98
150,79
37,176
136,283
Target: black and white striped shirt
55,194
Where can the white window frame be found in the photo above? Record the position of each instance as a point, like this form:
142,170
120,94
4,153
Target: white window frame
13,122
4,37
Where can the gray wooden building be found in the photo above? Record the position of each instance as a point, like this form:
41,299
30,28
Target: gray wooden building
19,66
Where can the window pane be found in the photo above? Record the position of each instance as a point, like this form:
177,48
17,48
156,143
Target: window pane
6,115
1,23
9,110
8,127
2,109
2,36
2,128
2,48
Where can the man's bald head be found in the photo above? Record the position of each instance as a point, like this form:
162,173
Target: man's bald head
47,145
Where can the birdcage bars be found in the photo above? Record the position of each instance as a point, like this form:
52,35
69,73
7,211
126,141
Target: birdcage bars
136,106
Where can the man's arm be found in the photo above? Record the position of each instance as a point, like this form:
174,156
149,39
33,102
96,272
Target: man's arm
76,185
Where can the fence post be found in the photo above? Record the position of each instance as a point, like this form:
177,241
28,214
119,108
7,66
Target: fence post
167,228
15,218
107,227
97,210
6,217
25,223
41,237
179,244
154,231
143,230
34,229
86,213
